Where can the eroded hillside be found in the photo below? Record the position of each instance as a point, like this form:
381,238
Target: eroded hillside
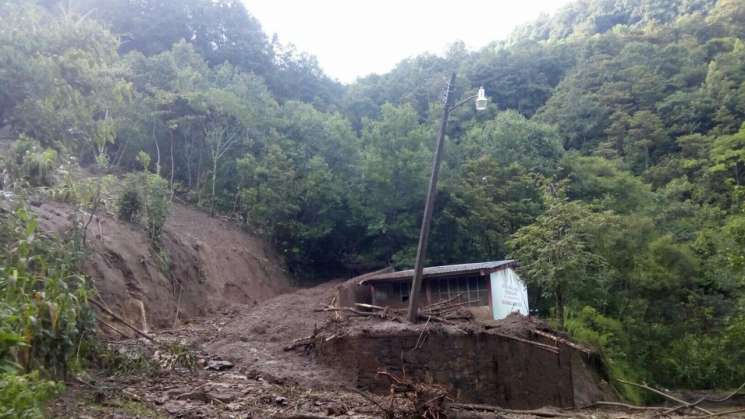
204,265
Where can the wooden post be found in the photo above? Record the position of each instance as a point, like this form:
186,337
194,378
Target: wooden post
421,251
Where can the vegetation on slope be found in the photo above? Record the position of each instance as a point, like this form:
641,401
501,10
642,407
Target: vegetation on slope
611,160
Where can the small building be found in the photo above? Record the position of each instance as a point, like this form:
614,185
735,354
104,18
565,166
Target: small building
492,289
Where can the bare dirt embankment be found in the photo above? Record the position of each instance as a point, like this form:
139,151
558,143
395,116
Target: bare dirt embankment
204,265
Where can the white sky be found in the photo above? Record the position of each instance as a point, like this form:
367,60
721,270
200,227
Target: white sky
353,38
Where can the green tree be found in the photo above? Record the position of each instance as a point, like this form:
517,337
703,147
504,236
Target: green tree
556,252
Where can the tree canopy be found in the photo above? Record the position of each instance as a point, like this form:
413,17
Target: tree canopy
610,162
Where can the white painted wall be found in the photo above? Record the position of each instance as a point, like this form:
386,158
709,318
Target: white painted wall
508,294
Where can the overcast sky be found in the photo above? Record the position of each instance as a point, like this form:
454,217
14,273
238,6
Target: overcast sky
353,38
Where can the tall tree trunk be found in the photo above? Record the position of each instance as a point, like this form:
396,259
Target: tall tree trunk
199,174
173,190
560,306
214,182
189,155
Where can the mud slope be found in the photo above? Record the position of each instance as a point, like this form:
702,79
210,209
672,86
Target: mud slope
206,265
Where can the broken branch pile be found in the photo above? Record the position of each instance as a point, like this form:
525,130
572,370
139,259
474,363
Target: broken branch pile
681,407
442,311
423,400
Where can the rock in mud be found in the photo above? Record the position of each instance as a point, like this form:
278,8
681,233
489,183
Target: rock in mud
219,365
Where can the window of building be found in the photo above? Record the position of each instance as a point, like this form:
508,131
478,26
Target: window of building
403,292
475,290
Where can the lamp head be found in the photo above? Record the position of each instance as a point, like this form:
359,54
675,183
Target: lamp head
481,100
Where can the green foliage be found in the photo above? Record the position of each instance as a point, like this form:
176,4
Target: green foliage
44,316
123,361
609,335
634,107
44,302
557,251
129,204
36,164
145,198
156,206
23,396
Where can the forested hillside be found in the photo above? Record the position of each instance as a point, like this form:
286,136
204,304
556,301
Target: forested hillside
610,162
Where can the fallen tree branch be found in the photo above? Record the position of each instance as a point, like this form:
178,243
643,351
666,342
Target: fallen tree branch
121,320
561,340
543,346
731,395
444,302
349,310
663,394
488,408
728,412
624,405
703,399
370,306
388,413
110,326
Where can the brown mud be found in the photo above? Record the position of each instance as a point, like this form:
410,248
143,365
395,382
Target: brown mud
261,379
225,295
203,266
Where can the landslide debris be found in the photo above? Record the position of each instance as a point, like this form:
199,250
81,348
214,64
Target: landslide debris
203,265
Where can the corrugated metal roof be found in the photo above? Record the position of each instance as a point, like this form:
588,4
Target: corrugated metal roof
439,271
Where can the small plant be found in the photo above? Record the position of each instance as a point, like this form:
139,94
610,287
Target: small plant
37,164
126,360
176,355
22,396
157,205
129,205
44,316
146,196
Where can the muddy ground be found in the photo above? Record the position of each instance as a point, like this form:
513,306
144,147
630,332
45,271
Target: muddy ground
240,370
217,302
203,265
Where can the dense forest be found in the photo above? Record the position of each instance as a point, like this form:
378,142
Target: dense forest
610,162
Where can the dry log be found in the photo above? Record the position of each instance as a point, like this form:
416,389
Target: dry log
488,408
561,340
624,405
444,302
347,309
178,305
543,346
704,399
727,412
121,320
110,326
663,394
369,306
299,342
725,398
387,412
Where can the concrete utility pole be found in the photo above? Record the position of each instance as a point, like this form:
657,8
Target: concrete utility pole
421,251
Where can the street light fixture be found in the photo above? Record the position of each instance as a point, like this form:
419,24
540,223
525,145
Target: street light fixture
481,100
421,251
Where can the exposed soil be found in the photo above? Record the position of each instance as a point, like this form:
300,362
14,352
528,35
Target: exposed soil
261,380
231,293
205,265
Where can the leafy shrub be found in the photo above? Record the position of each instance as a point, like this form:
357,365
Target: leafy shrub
129,205
43,301
126,361
608,336
36,164
22,396
157,205
145,196
44,316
